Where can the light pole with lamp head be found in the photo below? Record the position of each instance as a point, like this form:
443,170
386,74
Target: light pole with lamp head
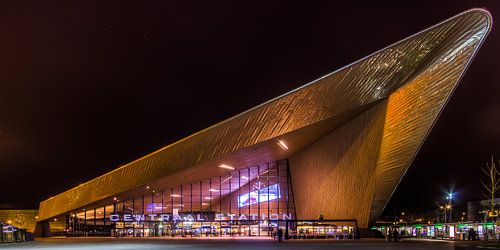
449,206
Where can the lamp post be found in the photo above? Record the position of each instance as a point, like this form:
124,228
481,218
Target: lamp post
449,206
444,211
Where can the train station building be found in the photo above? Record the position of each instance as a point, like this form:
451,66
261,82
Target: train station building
323,158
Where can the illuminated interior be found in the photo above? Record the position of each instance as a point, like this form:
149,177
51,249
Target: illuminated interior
262,194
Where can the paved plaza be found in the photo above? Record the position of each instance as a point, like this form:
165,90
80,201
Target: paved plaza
245,243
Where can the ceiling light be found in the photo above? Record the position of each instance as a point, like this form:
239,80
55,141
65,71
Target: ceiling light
225,166
213,190
208,198
282,145
175,195
244,177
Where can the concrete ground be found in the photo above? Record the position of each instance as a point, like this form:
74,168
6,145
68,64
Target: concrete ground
217,243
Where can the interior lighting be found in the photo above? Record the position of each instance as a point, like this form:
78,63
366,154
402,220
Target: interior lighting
282,145
226,166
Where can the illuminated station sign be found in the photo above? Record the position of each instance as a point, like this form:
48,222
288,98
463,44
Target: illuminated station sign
196,217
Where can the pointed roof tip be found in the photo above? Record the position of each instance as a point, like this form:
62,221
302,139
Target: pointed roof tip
484,12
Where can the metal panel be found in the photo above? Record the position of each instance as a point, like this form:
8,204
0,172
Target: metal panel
334,176
347,91
413,109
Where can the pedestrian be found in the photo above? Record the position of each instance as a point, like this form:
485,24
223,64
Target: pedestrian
395,235
280,235
473,234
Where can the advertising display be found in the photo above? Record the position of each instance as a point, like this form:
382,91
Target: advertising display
264,194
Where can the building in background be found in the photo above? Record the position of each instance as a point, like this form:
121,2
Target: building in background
476,209
25,219
17,225
333,149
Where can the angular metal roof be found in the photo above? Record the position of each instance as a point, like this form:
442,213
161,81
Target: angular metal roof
415,76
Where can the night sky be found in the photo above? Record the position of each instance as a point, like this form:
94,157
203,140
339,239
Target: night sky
86,87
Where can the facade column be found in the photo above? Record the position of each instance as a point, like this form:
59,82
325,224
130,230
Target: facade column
239,207
172,208
220,204
230,203
73,224
279,185
210,194
152,223
248,184
105,228
85,222
143,212
162,200
162,211
133,212
95,221
114,223
268,203
258,197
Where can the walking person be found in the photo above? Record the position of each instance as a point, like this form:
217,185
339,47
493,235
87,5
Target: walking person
395,235
389,235
280,235
473,234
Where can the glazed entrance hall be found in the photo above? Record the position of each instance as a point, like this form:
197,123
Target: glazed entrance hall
254,201
249,201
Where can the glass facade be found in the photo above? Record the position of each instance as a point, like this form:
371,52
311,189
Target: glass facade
247,202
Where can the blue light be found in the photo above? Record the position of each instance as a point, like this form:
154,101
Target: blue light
264,194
